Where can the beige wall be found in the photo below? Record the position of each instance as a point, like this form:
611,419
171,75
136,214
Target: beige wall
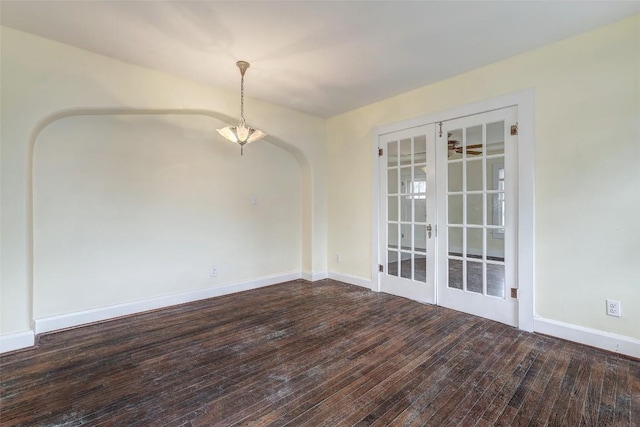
587,175
109,179
128,208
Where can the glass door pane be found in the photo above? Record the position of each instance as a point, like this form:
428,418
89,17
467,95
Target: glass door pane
393,208
475,209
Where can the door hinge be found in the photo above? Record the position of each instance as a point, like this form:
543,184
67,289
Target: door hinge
514,129
380,268
380,152
514,293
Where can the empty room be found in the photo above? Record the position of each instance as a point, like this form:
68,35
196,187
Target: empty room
319,213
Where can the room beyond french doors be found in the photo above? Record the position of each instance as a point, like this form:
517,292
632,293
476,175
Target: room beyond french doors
448,214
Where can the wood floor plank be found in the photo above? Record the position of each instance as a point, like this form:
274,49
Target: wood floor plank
383,351
575,409
486,356
534,395
622,413
431,405
307,401
498,378
467,393
398,391
634,392
509,382
345,401
567,384
609,388
594,389
321,354
527,377
553,389
320,390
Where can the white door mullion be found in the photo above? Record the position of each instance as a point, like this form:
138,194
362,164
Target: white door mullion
483,170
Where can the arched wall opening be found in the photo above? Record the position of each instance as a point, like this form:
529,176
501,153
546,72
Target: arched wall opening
128,205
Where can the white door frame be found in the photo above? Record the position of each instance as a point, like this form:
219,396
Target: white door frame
525,246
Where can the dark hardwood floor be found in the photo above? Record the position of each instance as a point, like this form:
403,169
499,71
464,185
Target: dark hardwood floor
322,354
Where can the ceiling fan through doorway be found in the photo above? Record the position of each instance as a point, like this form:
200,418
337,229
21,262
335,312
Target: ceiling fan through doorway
455,147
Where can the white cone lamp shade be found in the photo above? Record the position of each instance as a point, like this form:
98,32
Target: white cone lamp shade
241,134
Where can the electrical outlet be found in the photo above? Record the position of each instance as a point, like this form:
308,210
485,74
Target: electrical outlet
613,308
338,258
213,272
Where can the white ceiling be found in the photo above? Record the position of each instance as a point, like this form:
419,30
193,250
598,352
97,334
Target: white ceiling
320,57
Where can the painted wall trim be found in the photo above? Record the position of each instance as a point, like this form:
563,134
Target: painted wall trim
315,276
592,337
17,341
352,280
54,323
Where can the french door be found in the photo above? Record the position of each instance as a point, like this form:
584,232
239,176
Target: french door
408,215
476,214
447,214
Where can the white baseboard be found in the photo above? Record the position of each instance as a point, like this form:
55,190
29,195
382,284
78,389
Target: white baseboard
315,276
352,280
16,341
70,320
592,337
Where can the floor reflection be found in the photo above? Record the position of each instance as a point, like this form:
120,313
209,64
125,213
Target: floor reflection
495,274
420,272
495,277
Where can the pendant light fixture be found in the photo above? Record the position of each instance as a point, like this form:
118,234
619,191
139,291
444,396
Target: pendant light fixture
241,134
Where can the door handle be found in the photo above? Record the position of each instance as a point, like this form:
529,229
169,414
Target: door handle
429,229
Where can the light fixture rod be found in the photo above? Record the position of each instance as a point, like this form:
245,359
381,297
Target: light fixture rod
242,65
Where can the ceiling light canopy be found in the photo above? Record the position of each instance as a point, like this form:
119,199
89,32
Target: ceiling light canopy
241,134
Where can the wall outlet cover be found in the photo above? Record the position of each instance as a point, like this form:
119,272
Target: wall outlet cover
613,308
